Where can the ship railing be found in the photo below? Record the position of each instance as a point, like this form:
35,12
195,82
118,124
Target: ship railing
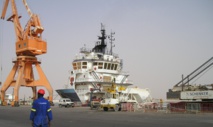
89,50
85,50
124,73
129,82
82,56
91,80
113,54
100,80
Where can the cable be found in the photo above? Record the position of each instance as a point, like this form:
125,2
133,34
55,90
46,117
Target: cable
202,74
1,48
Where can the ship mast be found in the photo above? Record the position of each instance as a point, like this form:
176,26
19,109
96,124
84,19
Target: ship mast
111,41
101,46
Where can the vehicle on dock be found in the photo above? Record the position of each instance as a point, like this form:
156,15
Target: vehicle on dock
116,98
95,98
66,102
95,104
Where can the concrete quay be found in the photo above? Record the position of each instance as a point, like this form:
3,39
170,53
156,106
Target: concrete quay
84,117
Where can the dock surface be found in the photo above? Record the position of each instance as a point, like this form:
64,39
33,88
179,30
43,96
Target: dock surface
84,117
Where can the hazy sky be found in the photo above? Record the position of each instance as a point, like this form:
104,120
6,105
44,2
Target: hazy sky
158,40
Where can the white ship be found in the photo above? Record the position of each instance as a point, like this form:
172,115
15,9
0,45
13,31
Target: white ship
94,70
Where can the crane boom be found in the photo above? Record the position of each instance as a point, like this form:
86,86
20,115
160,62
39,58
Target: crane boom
4,9
14,18
33,28
28,9
28,41
34,19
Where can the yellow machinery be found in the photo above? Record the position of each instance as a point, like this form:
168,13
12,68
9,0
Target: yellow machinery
29,44
111,100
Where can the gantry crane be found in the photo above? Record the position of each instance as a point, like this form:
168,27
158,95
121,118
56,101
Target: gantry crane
29,44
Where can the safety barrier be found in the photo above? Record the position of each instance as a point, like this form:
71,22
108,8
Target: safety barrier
128,106
191,107
178,107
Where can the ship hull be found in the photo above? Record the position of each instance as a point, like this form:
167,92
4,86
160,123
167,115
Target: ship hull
69,93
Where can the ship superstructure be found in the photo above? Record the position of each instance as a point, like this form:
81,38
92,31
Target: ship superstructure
95,69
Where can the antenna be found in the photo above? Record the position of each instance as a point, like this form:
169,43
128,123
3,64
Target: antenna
102,26
111,41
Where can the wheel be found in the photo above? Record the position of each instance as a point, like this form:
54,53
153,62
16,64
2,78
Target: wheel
97,108
117,108
73,105
16,104
105,109
51,103
91,107
60,105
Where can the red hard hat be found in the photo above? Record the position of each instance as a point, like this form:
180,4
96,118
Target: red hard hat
41,91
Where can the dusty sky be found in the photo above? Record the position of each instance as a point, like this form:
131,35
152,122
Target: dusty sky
158,40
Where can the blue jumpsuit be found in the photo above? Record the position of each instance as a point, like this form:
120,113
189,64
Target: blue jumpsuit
41,113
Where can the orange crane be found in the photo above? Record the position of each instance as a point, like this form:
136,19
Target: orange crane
29,44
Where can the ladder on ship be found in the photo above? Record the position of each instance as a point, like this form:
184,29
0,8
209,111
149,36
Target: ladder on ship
95,85
96,78
196,72
124,78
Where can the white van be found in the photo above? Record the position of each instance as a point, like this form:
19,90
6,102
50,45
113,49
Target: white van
66,102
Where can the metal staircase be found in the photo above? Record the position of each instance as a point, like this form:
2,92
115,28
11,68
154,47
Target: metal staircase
124,78
95,76
95,85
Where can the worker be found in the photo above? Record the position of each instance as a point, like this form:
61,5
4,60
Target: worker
41,114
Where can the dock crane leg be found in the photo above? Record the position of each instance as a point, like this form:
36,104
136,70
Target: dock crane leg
23,68
8,83
19,81
44,82
34,89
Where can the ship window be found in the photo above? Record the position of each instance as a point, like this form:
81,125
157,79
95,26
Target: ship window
105,65
109,66
112,66
79,65
95,63
100,65
115,67
84,65
74,66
